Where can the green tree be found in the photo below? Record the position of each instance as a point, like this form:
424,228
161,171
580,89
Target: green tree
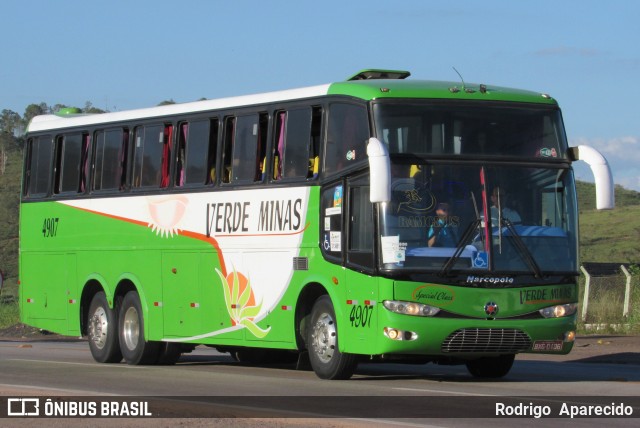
33,110
9,121
57,107
90,109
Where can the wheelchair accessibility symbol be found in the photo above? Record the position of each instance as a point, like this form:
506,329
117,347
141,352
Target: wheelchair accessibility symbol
326,243
481,260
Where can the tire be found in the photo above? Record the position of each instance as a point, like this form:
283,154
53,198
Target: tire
168,353
102,331
322,343
491,367
135,349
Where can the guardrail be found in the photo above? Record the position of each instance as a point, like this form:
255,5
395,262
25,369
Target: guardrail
610,297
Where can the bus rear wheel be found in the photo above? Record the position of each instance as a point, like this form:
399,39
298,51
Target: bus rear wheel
322,343
168,353
135,349
491,367
102,331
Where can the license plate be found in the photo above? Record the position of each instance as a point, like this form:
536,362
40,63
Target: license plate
547,345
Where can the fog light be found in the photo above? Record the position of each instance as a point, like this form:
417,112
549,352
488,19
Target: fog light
392,333
395,334
570,336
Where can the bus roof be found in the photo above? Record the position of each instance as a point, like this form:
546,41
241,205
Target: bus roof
363,88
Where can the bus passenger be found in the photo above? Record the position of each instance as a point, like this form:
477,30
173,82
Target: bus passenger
499,205
442,232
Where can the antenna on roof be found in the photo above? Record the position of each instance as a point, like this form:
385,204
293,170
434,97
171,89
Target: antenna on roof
454,69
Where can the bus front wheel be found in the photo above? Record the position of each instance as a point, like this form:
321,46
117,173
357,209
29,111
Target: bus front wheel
102,331
491,367
135,349
322,343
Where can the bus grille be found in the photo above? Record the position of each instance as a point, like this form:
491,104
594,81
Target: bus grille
503,340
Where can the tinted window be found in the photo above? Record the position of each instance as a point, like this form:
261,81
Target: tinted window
197,152
482,129
244,149
68,162
347,136
293,141
38,169
244,152
149,145
110,159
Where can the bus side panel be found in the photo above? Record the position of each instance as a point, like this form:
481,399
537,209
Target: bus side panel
360,319
48,292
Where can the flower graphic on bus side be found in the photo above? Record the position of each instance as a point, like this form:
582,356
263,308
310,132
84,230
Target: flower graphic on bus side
241,303
166,214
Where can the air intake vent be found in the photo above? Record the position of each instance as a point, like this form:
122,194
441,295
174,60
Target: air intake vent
300,263
501,340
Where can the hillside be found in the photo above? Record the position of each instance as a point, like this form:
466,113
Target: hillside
609,236
9,198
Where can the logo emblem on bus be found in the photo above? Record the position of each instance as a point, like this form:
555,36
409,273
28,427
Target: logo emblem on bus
491,309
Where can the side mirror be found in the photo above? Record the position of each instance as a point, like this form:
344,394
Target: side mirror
380,168
601,173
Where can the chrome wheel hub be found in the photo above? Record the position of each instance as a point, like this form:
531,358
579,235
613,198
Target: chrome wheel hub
131,328
323,337
99,328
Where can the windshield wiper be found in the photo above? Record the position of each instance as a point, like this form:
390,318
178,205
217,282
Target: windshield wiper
468,232
517,240
522,248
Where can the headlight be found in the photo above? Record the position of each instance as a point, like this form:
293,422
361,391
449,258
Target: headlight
559,311
410,308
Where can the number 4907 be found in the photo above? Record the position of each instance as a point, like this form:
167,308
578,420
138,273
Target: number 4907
50,227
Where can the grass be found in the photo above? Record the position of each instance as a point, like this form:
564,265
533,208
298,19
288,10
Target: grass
9,314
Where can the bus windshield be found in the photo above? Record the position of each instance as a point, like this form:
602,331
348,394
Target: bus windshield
454,217
460,129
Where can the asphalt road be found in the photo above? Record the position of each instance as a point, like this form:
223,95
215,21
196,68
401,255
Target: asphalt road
207,386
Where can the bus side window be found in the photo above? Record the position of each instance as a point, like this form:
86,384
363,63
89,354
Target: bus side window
261,149
181,153
110,159
246,145
212,151
279,145
347,136
227,150
68,162
314,144
166,156
152,148
196,153
293,143
244,149
84,163
38,166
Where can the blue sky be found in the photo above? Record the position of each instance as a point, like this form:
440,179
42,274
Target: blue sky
123,54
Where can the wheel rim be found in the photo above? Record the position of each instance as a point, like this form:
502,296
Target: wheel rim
131,328
99,328
323,337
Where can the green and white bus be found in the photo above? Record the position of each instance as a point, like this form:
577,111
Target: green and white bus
375,219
